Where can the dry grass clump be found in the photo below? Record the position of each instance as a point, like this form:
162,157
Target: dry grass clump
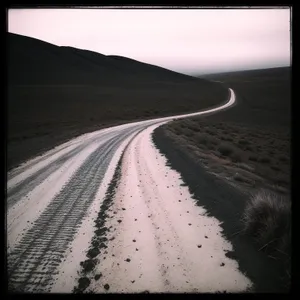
267,218
226,149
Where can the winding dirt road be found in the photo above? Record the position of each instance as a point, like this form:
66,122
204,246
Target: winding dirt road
104,213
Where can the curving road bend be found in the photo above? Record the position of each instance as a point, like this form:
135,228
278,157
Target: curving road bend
158,239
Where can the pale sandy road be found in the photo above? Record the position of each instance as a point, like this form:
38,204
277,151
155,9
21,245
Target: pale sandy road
37,250
50,201
165,243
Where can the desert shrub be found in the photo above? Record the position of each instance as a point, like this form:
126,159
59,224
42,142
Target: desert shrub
221,125
214,140
253,157
264,159
187,132
271,152
237,156
243,142
283,158
211,146
175,128
226,149
279,179
275,168
211,132
267,217
202,139
195,128
214,133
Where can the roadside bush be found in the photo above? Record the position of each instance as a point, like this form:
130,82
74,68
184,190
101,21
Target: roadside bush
264,159
283,158
211,132
275,168
226,149
202,138
187,132
271,152
237,156
175,128
243,142
195,128
267,217
280,179
214,140
211,146
253,157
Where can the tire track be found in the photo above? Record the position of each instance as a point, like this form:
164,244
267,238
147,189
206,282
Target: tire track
14,173
34,260
99,239
28,184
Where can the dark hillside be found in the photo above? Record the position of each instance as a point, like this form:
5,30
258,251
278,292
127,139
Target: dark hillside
56,93
32,62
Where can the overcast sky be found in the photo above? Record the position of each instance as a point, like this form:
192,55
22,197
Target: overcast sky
184,40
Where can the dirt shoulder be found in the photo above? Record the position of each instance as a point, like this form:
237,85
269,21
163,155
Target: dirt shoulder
227,204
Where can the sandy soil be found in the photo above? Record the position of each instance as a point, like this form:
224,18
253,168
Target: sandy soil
165,243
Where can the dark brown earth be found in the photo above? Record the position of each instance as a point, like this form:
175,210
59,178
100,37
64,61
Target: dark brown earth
225,203
226,156
56,93
250,142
